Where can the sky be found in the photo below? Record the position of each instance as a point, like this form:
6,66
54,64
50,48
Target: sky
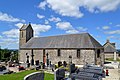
99,18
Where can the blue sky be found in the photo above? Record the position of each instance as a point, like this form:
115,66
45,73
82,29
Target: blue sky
100,18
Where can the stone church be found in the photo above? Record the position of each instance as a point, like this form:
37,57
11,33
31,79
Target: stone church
83,48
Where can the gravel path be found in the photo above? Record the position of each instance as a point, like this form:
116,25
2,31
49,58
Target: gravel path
114,74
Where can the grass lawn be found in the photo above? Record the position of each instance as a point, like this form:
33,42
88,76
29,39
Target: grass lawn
111,59
21,75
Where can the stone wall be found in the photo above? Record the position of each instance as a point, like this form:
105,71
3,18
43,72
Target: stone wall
88,56
109,55
38,55
85,56
100,60
22,38
23,57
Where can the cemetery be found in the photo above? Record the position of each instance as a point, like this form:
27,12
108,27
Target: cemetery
59,71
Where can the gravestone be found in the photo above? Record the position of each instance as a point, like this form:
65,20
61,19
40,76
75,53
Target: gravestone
59,63
59,74
28,65
64,63
37,62
47,62
50,64
72,68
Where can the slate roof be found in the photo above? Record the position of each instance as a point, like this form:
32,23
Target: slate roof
83,40
24,27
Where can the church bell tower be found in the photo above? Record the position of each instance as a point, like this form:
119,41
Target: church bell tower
26,33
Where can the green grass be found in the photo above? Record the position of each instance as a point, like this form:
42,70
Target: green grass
49,76
111,59
21,75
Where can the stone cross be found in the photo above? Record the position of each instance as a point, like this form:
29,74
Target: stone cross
114,56
59,74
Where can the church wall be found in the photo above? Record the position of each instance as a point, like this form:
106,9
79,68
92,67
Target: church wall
22,55
22,37
52,55
85,56
38,55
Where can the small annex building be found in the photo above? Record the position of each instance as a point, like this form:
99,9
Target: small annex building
110,50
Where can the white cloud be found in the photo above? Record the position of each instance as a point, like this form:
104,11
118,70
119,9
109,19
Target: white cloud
118,25
118,45
67,27
0,36
8,42
40,16
19,25
42,5
64,25
13,33
38,28
83,29
54,19
113,32
111,37
73,31
72,8
65,7
46,22
105,27
101,5
110,23
98,28
9,18
98,36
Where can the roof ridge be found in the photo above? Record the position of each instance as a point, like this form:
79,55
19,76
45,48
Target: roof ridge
61,35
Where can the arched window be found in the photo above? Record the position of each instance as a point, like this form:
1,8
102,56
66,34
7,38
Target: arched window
98,53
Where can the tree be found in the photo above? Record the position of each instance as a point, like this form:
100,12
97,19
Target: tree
5,54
